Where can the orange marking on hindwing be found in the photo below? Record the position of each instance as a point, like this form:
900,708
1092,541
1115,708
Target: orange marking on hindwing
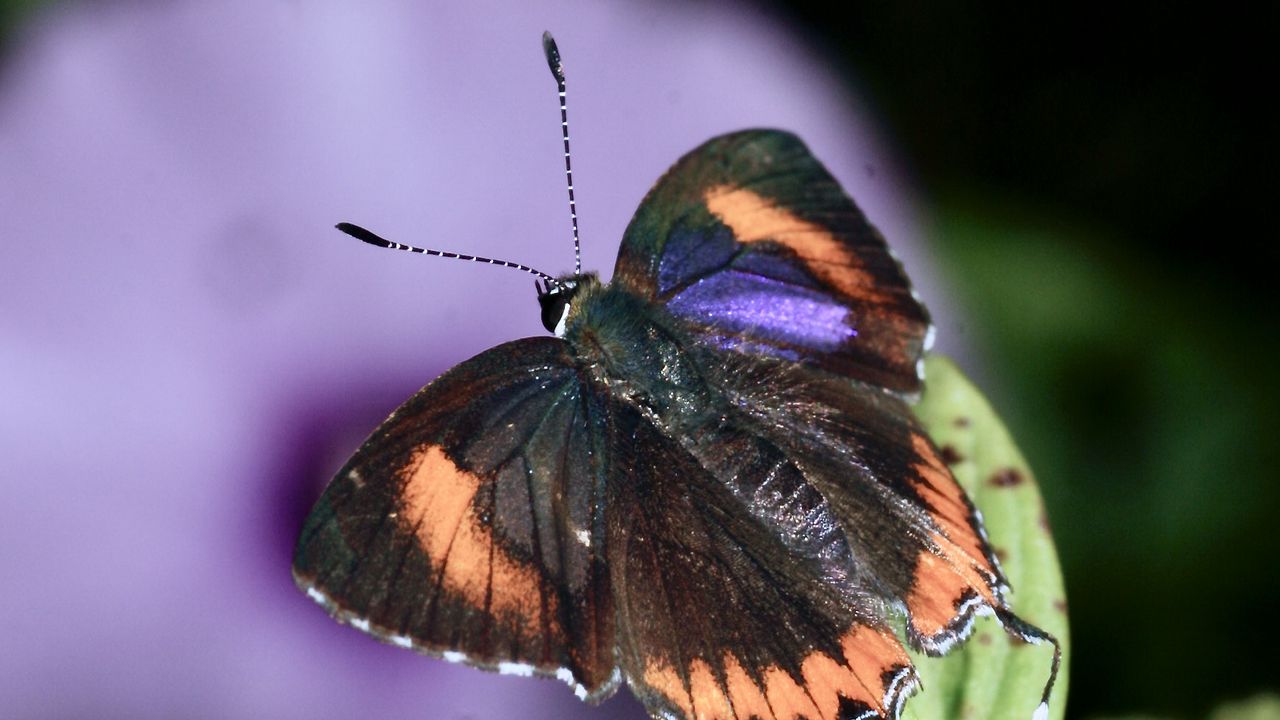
859,675
787,698
747,697
823,681
443,498
662,677
958,562
826,680
704,699
753,218
709,700
940,580
951,511
870,653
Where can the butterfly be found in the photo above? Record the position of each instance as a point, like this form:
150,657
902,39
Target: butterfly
707,483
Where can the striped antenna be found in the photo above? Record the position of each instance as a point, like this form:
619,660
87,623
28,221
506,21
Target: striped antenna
557,69
360,233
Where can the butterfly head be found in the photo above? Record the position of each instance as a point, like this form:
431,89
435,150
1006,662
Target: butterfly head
557,299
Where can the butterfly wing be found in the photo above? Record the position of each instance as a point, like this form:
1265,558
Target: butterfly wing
470,524
753,245
910,527
758,555
724,614
913,533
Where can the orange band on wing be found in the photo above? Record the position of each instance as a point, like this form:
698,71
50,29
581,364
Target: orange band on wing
787,697
753,218
440,498
938,487
958,565
704,699
747,697
709,700
941,580
870,658
871,654
662,677
827,680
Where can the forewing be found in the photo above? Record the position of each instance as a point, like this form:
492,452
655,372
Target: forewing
470,525
718,618
753,245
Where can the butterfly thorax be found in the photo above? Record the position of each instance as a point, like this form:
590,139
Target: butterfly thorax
624,345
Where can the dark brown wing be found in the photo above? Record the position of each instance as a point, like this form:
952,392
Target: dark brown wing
720,615
470,525
907,520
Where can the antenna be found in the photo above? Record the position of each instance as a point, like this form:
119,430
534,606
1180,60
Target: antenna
549,283
360,233
557,69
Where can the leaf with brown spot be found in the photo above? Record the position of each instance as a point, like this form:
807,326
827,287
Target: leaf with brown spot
1006,477
950,455
996,680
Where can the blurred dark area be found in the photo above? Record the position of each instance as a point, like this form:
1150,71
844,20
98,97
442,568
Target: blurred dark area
1100,186
1101,178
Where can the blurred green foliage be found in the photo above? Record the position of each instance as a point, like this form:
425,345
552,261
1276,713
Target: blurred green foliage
1144,419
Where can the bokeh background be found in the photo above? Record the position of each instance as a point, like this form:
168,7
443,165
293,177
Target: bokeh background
188,350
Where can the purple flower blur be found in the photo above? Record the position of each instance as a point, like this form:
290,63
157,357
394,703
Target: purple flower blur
188,349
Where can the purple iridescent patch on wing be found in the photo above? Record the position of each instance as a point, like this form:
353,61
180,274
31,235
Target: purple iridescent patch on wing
759,260
733,301
692,254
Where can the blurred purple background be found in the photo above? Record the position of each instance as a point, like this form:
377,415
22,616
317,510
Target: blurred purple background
188,349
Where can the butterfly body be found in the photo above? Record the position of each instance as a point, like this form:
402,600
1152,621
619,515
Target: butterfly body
709,484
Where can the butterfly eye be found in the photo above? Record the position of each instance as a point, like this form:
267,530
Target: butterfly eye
555,298
555,307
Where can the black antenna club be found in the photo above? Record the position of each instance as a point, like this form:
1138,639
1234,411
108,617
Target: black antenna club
360,233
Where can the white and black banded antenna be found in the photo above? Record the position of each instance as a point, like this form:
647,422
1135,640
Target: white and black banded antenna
554,293
360,233
557,69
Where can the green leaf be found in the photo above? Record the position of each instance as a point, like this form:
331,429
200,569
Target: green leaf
993,676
